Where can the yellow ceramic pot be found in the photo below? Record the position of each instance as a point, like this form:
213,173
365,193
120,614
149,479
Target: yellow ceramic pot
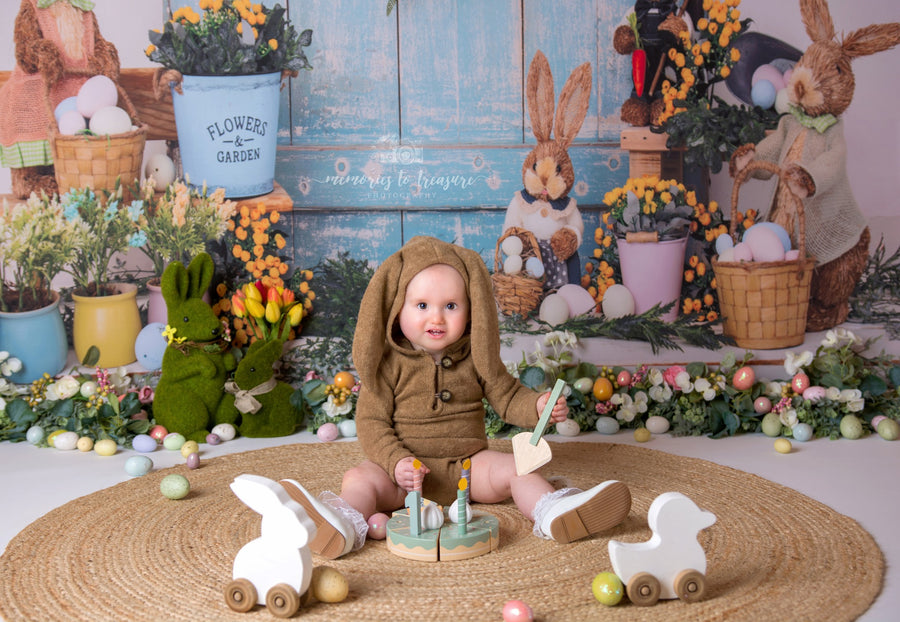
111,323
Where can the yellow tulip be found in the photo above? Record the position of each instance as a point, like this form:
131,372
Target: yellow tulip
255,308
295,315
251,292
273,312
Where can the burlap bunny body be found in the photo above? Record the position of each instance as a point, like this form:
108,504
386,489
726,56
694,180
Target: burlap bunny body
809,147
58,43
544,206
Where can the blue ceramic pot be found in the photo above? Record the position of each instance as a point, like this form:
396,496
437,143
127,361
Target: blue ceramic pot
38,339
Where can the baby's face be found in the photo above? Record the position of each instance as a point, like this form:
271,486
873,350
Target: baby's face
436,309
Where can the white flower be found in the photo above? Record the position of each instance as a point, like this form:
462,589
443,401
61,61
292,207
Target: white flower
4,385
2,404
10,366
832,393
849,395
562,338
640,401
64,388
655,376
336,410
626,412
89,388
3,355
683,380
856,406
773,389
709,395
512,368
618,399
661,393
839,337
120,380
701,385
788,417
794,363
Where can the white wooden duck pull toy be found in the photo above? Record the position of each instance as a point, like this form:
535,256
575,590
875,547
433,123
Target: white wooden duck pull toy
277,565
529,449
672,563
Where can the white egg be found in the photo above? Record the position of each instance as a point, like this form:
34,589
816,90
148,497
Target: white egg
657,424
617,301
578,299
69,103
110,120
512,264
727,255
782,101
512,245
534,267
65,441
554,310
569,427
162,169
224,431
96,93
723,242
71,122
742,252
607,425
347,428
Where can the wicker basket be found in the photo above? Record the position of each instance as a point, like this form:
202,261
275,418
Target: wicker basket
517,293
764,304
97,162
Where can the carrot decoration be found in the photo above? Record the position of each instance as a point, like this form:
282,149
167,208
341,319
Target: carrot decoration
638,58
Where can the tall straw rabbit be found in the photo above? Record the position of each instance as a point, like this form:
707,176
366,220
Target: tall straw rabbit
278,564
809,147
544,207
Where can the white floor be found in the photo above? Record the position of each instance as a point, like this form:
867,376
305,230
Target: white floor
855,478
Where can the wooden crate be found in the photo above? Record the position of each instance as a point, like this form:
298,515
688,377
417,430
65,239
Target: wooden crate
648,155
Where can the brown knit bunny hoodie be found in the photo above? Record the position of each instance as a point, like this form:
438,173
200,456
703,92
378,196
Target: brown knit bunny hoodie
409,405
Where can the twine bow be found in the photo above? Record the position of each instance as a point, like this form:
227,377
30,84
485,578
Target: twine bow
244,400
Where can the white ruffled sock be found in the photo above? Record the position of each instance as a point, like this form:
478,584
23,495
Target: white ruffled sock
350,514
545,503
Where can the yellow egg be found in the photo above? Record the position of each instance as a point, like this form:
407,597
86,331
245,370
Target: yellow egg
52,437
329,585
105,447
641,435
85,443
783,446
189,447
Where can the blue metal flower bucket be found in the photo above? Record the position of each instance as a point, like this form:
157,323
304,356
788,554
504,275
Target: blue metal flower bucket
227,131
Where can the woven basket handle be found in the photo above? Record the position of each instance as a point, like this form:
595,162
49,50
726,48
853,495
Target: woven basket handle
123,96
757,165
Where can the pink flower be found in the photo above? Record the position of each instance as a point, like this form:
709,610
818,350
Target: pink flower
671,374
145,395
310,375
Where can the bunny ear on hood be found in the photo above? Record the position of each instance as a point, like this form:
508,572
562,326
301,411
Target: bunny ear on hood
385,294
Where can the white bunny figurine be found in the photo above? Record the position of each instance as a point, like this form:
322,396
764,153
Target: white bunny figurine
280,558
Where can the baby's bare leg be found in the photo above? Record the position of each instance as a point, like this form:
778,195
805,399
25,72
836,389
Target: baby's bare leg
494,479
369,489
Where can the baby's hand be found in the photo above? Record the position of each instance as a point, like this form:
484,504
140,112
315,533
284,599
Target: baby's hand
406,474
560,409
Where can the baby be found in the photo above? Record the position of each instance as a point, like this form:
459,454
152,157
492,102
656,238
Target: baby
427,349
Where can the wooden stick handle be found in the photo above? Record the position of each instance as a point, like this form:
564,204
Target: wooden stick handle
548,409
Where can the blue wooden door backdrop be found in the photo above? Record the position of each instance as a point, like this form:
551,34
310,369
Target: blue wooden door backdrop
416,123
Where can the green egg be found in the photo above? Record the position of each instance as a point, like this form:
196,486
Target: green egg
174,486
888,429
771,425
851,427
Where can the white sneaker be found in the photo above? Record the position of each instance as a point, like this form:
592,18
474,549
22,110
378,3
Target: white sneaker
586,513
335,536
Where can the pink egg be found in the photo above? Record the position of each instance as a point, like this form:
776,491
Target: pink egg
624,378
96,93
378,526
762,405
578,299
327,432
770,73
71,122
814,393
876,420
213,439
517,611
158,432
193,460
792,255
765,245
800,382
741,252
743,378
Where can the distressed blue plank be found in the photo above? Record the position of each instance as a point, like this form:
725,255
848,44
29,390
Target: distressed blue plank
350,96
461,68
438,178
364,235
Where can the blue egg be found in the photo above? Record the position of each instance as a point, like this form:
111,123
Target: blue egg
137,466
723,242
802,432
64,106
150,346
780,231
35,434
763,94
607,425
144,443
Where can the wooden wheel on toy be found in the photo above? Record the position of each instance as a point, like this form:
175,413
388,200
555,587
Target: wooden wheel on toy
643,589
282,601
240,595
690,585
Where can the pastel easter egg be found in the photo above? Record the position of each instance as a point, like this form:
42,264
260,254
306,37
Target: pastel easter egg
35,434
770,73
69,103
583,384
347,428
724,241
777,229
150,345
193,460
743,378
158,432
70,123
876,420
554,310
144,443
742,252
800,382
783,101
66,441
802,432
188,448
763,94
173,441
512,264
511,245
577,298
623,379
329,585
327,432
771,425
85,444
792,255
783,446
109,121
851,427
378,526
213,439
174,486
517,611
608,589
788,74
162,169
534,267
569,427
814,393
607,425
888,429
617,302
96,93
657,424
105,447
727,255
136,466
642,435
762,405
225,431
765,245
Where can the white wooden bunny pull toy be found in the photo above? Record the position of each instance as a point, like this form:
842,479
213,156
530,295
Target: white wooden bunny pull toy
278,565
671,564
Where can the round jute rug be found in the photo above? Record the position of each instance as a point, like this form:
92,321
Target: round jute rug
127,553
